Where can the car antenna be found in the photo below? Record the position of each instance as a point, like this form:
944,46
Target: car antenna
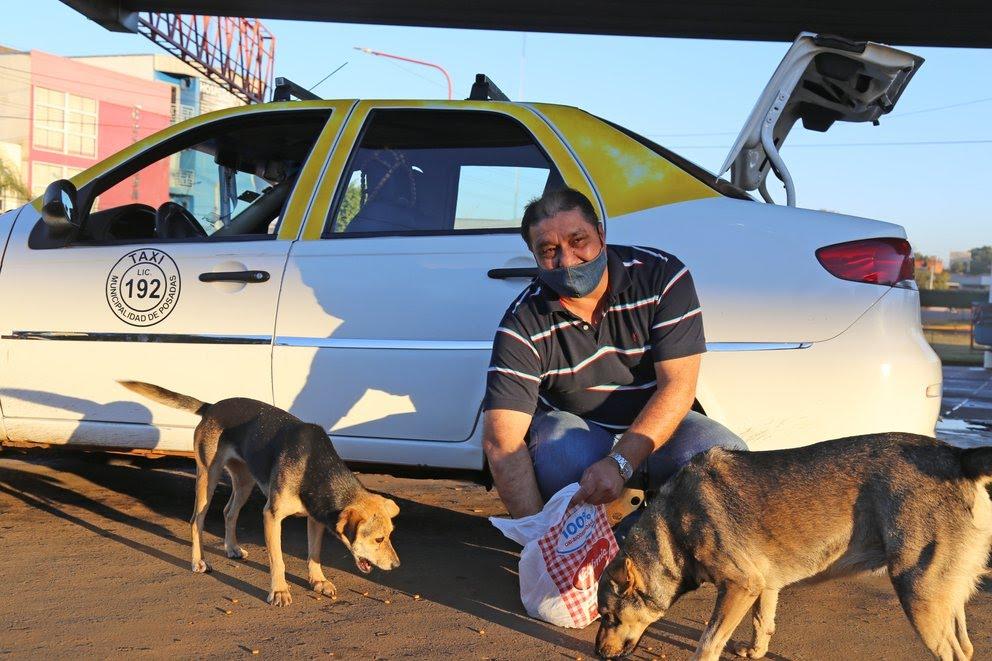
483,89
286,90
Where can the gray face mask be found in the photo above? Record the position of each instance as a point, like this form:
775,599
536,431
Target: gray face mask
575,281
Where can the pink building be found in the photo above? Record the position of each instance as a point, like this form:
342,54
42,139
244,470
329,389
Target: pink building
62,116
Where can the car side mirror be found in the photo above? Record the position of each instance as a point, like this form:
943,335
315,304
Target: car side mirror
58,208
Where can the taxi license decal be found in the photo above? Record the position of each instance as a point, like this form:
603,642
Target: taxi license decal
143,287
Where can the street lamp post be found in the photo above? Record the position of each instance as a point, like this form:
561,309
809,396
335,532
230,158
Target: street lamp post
411,60
987,364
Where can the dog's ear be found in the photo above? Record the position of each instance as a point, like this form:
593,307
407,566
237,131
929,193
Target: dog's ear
348,521
634,581
392,509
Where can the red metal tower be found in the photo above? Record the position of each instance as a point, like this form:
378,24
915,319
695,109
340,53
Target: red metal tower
236,53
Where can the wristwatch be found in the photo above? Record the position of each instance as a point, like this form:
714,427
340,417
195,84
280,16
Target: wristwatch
626,470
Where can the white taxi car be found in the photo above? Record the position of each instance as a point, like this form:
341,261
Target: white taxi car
349,261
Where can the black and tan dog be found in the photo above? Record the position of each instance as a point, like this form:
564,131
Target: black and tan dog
754,522
297,468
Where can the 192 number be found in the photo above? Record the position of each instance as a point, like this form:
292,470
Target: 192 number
145,288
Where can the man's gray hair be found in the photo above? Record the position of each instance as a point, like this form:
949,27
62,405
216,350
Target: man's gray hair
553,203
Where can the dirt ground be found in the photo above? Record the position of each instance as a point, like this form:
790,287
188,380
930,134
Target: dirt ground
95,563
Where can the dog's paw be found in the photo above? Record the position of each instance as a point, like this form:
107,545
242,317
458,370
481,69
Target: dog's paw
748,652
325,588
280,598
200,566
237,553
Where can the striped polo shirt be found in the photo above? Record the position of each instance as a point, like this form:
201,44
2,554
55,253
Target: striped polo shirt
545,357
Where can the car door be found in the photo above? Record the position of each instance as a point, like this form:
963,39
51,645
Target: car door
146,295
412,255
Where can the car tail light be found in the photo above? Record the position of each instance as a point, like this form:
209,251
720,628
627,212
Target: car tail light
877,261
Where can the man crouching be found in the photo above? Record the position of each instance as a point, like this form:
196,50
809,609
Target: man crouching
594,366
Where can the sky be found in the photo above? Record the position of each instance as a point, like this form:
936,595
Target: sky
691,96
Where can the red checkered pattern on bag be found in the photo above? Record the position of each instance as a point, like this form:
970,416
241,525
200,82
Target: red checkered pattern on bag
576,551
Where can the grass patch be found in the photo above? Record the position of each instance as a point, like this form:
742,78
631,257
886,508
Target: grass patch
953,354
961,327
952,345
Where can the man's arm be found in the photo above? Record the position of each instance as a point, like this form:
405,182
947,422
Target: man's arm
513,473
601,483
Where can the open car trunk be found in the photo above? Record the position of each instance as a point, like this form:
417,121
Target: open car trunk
821,80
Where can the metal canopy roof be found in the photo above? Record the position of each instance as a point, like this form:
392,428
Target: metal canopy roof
961,23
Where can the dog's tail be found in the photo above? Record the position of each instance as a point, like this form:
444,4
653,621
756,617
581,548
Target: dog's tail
167,397
976,464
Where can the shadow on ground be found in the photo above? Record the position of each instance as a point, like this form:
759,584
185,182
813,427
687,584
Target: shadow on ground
448,557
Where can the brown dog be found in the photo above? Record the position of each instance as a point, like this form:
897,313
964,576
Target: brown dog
299,471
753,522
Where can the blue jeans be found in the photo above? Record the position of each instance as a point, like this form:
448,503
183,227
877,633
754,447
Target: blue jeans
563,445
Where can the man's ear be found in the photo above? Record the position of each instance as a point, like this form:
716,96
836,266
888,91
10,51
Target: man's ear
634,582
601,229
347,527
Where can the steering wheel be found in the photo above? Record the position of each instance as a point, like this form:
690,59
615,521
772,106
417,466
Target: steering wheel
174,221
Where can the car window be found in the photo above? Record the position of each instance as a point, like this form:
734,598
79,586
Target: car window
234,180
440,171
495,195
212,194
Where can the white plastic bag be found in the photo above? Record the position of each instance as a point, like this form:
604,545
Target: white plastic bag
565,552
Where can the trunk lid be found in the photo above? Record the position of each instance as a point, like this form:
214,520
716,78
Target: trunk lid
821,80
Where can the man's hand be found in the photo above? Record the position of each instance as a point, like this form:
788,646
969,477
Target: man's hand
601,483
654,425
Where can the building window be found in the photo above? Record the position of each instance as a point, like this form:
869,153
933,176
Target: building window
64,123
43,174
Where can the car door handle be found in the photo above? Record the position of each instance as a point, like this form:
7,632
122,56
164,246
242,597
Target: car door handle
505,274
235,276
